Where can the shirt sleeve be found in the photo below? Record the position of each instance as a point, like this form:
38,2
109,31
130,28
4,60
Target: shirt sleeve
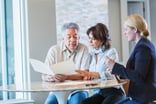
86,59
113,54
105,74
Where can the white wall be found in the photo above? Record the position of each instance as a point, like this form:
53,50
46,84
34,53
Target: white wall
42,34
153,20
115,24
117,11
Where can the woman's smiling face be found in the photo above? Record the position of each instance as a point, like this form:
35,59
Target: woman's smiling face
130,33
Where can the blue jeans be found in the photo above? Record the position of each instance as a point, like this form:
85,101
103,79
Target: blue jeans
76,98
51,99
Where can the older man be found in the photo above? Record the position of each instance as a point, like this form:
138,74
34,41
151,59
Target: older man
69,49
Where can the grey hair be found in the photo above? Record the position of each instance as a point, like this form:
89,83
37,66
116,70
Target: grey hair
70,25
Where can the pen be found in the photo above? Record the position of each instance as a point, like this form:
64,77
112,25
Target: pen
92,84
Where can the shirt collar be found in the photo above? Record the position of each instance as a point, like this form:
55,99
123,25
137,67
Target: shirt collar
98,51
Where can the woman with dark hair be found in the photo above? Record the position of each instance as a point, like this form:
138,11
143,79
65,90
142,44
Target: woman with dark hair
99,40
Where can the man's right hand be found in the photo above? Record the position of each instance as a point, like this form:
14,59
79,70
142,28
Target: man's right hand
54,78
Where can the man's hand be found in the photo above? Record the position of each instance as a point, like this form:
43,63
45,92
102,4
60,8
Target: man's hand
60,77
54,78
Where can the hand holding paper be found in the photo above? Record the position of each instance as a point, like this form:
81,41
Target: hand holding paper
65,67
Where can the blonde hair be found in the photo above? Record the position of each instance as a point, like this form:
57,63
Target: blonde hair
138,22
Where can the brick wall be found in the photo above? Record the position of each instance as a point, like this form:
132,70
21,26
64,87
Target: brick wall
84,12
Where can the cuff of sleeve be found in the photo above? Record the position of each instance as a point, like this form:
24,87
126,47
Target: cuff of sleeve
114,68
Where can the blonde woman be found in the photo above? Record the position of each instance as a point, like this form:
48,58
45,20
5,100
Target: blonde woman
141,66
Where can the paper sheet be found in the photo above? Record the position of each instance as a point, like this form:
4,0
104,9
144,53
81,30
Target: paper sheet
40,67
65,67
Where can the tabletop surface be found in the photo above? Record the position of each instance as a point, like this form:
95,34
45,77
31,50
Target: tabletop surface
64,86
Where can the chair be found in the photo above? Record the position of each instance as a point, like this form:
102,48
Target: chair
124,100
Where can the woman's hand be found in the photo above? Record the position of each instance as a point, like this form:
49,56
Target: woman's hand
74,77
88,75
110,63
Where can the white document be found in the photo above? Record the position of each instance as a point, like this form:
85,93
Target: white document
65,67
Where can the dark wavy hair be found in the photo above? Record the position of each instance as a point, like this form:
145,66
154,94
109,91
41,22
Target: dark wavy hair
101,33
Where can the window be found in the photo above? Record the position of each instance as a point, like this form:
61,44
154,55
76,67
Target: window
7,49
13,47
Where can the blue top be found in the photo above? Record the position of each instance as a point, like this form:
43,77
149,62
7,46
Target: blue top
141,70
100,65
